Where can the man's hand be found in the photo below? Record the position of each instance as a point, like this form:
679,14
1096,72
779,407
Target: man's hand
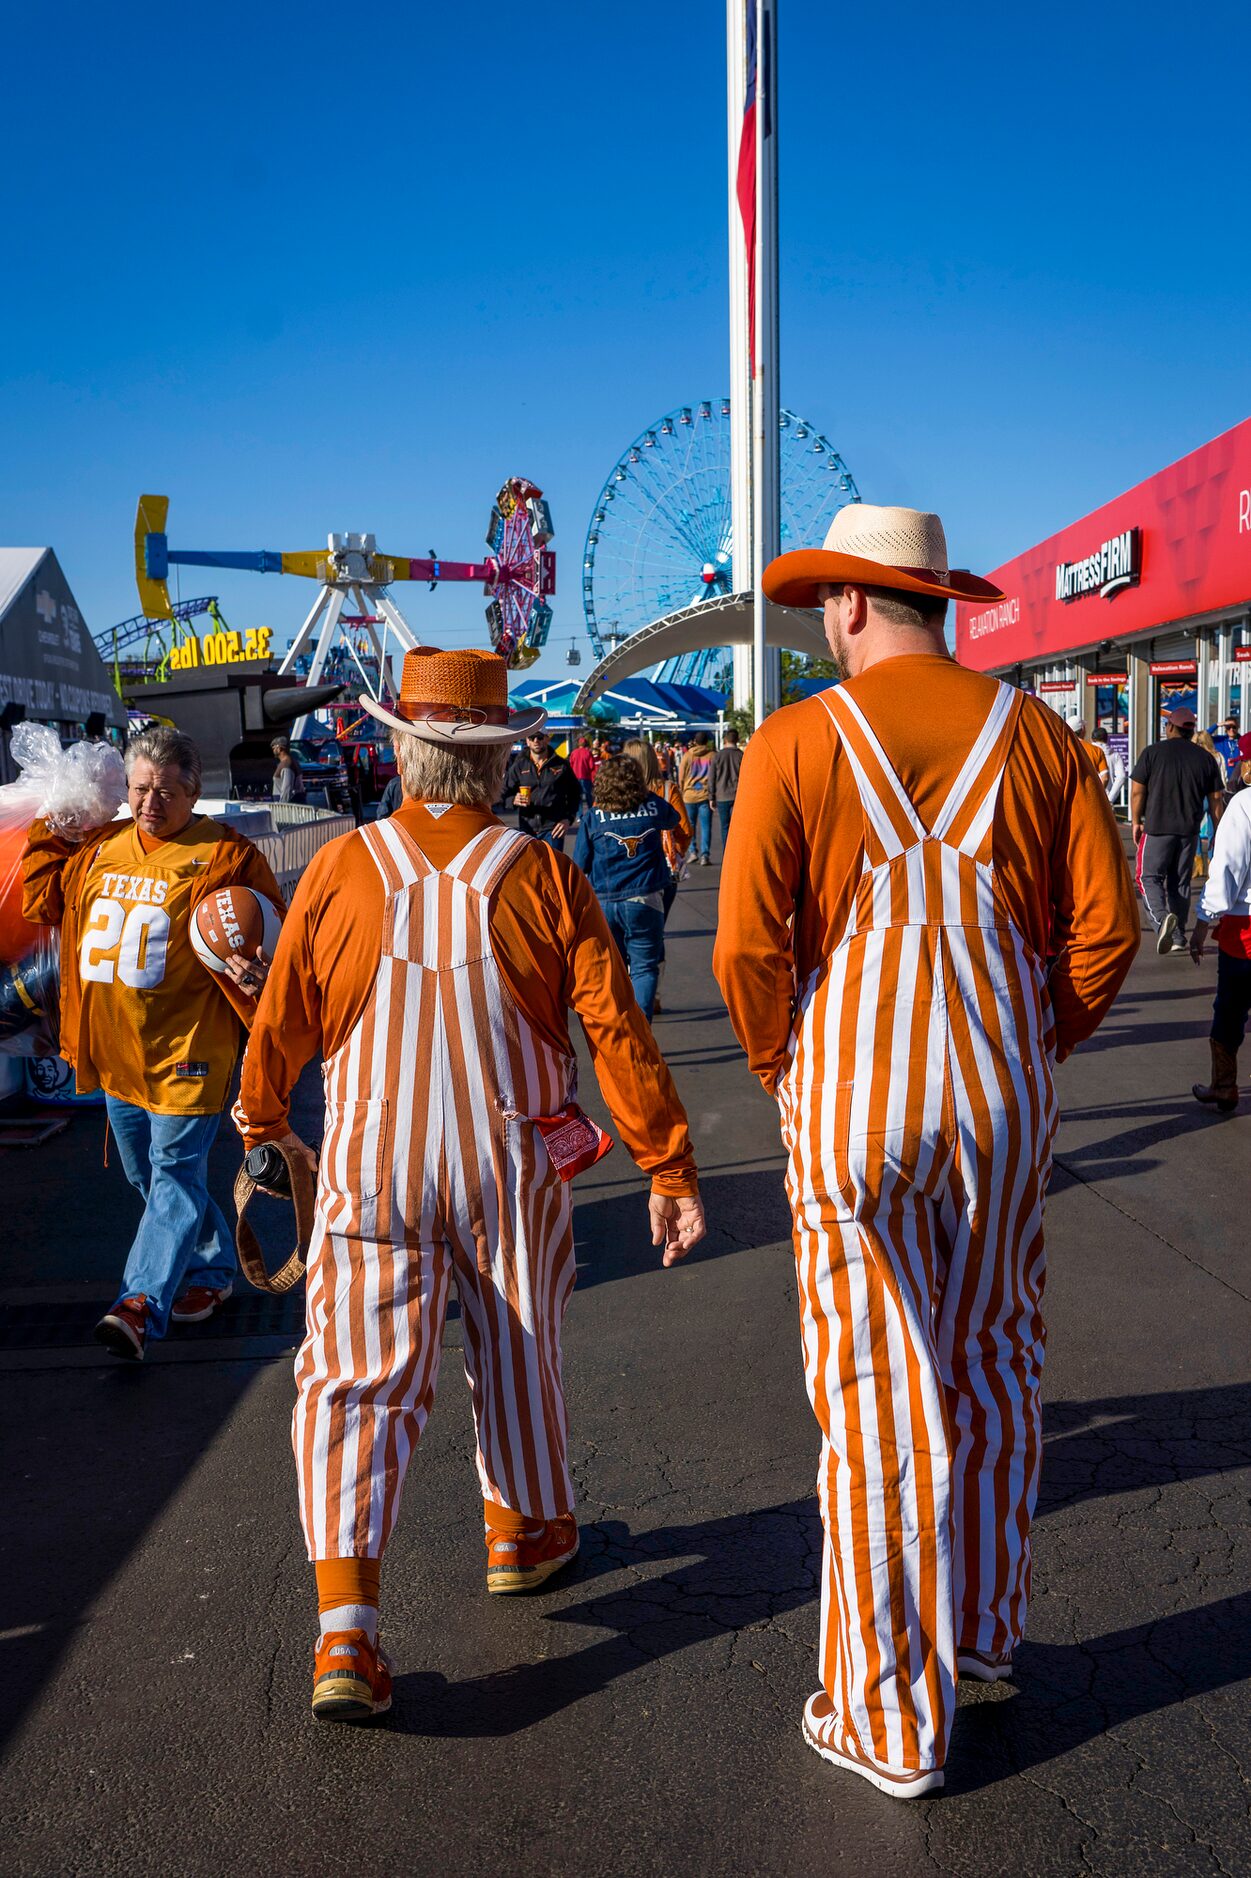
300,1149
677,1225
1199,940
248,974
560,830
1139,831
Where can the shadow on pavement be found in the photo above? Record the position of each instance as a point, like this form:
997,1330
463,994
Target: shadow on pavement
1068,1694
744,1570
83,1487
1151,1125
744,1210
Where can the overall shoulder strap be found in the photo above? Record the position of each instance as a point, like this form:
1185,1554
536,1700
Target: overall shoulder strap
398,858
486,858
965,818
888,810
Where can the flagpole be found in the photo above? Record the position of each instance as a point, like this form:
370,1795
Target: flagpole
743,562
766,518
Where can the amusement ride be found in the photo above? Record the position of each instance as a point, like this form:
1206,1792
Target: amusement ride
518,576
661,532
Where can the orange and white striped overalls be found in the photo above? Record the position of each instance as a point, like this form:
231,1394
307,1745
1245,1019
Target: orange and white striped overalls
429,1170
918,1115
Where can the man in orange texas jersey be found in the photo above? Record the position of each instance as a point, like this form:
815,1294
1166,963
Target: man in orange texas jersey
914,844
144,1020
432,959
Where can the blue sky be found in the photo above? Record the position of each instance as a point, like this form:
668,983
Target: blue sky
305,268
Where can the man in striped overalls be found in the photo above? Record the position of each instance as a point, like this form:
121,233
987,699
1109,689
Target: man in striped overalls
431,959
910,851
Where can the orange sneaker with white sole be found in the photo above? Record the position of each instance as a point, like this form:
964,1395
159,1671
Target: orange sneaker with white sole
523,1561
351,1678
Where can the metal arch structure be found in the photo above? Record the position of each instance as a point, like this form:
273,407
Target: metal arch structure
518,576
661,534
707,625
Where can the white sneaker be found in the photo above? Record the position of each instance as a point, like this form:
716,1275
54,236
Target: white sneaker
1164,938
976,1666
899,1786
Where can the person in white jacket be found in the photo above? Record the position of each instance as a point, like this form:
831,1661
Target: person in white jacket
1114,781
1226,904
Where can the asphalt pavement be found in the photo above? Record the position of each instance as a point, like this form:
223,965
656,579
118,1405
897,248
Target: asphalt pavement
643,1716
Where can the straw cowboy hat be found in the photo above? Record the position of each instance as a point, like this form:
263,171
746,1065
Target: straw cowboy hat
455,698
875,547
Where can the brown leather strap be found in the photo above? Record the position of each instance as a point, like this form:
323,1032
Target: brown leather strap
251,1258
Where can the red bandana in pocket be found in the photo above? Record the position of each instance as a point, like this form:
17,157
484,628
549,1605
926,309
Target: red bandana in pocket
573,1141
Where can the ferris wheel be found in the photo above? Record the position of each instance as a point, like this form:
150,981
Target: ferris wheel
660,532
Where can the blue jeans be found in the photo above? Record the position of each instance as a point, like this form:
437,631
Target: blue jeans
724,812
640,934
701,826
183,1239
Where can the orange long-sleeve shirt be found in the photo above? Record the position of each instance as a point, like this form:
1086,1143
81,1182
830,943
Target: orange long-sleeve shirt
554,953
796,849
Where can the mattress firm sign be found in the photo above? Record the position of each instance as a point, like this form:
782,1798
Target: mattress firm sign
1108,571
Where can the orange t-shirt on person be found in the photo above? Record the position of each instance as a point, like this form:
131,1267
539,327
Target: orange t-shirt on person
554,953
141,1017
787,891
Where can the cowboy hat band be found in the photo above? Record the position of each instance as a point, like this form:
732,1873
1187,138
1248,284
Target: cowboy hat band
455,697
868,546
454,713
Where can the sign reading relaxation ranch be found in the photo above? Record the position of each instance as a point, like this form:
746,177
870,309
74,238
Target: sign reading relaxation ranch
1177,545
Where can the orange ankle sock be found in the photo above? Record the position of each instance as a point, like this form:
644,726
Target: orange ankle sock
347,1581
506,1519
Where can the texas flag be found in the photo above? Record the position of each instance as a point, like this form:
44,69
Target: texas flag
746,181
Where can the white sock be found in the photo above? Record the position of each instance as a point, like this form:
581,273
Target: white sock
352,1617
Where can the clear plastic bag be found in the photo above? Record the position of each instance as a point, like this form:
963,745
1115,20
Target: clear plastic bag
30,998
73,790
78,789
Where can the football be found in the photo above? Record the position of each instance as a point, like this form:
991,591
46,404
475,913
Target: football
232,923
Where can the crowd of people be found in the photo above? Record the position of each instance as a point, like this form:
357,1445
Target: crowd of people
926,908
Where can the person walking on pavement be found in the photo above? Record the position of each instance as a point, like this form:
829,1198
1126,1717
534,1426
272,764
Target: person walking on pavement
546,793
431,960
1225,737
725,768
695,785
620,849
584,763
1226,905
914,844
144,1020
1170,786
676,841
1114,782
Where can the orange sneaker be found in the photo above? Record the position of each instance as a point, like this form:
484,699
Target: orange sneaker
351,1678
198,1303
124,1330
523,1561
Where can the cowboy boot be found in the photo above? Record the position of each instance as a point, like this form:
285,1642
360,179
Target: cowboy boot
1222,1092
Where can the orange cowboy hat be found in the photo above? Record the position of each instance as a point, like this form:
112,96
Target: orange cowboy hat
455,697
875,547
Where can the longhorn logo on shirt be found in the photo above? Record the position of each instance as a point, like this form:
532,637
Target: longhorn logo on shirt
631,843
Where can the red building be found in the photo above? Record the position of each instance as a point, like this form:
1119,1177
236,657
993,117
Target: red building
1142,605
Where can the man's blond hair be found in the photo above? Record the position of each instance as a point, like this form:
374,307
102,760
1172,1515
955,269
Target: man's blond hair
468,773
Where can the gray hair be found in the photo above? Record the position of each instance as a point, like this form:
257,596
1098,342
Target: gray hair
163,746
468,773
